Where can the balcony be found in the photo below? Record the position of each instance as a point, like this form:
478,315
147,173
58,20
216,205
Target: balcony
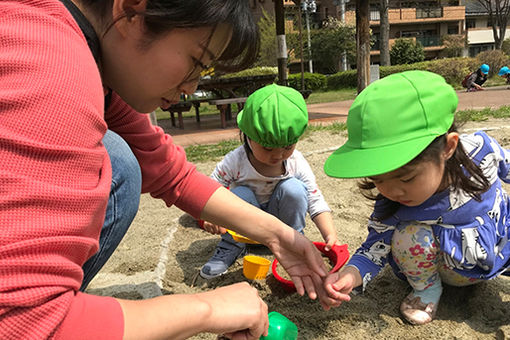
429,43
429,40
430,12
414,15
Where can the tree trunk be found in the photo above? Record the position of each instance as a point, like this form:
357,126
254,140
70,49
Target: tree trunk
384,38
363,43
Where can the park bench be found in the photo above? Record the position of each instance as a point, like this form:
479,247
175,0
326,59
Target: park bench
179,108
224,106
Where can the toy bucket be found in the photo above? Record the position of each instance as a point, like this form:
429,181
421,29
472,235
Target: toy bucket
338,255
255,267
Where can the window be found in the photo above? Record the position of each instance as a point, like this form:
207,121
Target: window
453,29
470,23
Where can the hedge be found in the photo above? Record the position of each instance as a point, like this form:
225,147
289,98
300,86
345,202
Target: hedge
313,81
452,69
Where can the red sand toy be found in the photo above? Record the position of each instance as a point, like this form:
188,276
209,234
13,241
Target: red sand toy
338,255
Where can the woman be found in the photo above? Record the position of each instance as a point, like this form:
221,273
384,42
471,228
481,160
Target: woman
72,170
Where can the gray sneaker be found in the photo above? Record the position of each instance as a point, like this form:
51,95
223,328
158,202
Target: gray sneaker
225,255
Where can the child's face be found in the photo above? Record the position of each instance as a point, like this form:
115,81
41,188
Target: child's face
413,184
410,186
271,156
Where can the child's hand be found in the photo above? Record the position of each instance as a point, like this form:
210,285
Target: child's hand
213,228
339,285
331,240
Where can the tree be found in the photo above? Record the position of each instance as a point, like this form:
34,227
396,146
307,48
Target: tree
454,45
505,47
328,44
406,51
363,43
499,11
267,28
384,38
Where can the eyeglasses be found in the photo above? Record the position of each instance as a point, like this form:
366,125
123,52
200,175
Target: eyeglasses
196,72
199,67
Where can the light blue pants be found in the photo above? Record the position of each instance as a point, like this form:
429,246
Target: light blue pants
288,202
122,204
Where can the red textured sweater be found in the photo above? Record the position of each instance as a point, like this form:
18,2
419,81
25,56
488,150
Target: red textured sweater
55,174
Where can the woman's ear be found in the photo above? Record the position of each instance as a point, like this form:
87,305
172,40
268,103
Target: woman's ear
452,141
125,13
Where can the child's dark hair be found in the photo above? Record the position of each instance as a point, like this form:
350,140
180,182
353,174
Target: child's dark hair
460,172
244,140
161,16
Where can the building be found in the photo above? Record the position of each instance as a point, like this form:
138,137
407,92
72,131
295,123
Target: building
479,29
423,21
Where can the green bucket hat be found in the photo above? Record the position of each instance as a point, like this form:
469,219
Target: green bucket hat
392,121
274,116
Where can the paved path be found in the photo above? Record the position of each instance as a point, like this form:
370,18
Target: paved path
323,113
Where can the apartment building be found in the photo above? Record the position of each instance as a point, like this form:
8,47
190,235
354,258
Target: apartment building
479,29
423,21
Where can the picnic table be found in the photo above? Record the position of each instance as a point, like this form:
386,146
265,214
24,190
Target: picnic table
226,91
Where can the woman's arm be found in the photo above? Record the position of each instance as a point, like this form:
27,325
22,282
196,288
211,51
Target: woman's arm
297,254
225,310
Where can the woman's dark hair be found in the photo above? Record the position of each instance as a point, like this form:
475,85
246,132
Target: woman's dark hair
460,173
161,16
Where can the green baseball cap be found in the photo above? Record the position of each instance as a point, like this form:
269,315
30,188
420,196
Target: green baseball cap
392,121
274,116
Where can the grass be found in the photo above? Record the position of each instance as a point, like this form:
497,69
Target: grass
483,114
209,152
331,96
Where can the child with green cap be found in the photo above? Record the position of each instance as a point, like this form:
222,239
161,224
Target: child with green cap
268,172
440,213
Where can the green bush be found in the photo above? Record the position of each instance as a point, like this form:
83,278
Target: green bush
313,81
494,58
406,51
341,80
452,69
255,71
505,47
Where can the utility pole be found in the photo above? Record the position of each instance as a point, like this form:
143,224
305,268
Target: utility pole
281,53
309,6
312,8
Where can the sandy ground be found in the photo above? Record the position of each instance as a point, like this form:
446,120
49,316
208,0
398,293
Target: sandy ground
164,249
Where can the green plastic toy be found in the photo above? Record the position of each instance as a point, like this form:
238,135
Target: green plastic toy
280,328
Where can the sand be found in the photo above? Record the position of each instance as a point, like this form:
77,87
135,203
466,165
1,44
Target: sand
164,249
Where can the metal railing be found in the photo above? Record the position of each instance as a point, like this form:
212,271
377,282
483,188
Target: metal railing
429,40
429,12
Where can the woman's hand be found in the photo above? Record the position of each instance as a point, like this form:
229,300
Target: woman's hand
237,312
304,263
296,253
